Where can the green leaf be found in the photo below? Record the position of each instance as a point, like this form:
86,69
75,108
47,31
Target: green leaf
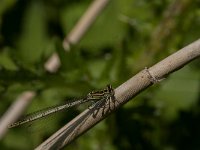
6,60
33,40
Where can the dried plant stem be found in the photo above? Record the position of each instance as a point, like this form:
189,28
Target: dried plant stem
14,111
123,94
79,30
167,25
163,31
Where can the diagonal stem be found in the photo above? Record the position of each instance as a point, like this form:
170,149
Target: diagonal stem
123,94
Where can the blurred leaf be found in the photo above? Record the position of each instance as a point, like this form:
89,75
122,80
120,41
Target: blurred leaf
6,61
6,4
179,92
33,40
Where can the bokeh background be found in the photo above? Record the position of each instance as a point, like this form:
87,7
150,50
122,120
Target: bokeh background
128,36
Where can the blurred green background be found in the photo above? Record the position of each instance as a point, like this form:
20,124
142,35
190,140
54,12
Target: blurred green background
127,37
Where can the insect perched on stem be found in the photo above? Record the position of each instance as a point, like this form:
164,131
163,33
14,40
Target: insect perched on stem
93,96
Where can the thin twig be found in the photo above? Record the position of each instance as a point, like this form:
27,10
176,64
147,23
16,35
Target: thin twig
163,31
167,25
123,94
15,111
79,30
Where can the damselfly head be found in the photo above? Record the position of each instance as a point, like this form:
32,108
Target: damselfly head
110,89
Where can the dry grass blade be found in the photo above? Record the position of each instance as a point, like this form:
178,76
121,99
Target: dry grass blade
15,111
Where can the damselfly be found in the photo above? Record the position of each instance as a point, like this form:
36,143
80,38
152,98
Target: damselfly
105,94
